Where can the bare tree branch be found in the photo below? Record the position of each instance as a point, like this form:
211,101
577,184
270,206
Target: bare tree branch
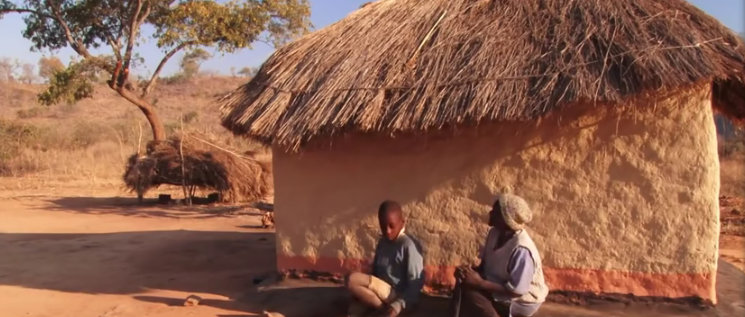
133,32
114,47
75,44
114,43
148,7
57,16
151,83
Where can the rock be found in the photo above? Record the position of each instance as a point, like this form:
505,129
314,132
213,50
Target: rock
267,220
213,198
192,300
735,212
164,199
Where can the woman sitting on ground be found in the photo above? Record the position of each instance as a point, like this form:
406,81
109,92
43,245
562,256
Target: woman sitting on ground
397,270
509,280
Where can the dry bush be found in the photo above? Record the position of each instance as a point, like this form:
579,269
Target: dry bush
732,180
81,148
732,146
732,175
732,215
16,95
33,112
732,163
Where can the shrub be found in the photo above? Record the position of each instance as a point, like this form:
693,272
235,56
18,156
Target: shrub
190,117
14,137
728,148
30,113
84,135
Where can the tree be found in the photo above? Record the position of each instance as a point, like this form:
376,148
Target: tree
178,25
28,73
191,62
48,66
8,69
248,71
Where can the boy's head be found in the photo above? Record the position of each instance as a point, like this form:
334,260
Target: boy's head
391,219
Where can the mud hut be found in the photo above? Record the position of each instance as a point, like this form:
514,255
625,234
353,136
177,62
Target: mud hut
599,113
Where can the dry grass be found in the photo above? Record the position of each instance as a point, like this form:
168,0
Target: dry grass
733,175
88,143
411,65
732,192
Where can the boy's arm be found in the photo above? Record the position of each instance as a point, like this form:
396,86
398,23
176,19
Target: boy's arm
414,278
373,268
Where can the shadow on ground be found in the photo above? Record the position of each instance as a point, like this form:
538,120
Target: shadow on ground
302,298
223,263
127,206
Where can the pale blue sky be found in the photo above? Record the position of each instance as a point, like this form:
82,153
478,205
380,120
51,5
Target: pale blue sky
324,12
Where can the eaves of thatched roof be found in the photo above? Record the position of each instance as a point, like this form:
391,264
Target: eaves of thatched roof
416,65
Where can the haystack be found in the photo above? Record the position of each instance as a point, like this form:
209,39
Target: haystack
236,177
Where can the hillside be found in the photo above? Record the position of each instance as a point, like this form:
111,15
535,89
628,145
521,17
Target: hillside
90,140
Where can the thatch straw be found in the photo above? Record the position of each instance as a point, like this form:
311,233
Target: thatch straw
391,66
236,177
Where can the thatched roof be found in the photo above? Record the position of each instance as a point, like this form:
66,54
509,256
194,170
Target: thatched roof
414,65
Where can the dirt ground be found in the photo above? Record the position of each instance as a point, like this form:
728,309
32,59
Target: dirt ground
104,257
64,255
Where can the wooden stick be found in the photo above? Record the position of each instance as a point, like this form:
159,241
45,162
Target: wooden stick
187,196
427,37
218,147
139,138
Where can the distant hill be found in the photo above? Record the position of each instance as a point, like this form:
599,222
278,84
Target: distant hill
19,101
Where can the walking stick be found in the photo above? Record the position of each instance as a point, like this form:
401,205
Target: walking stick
458,296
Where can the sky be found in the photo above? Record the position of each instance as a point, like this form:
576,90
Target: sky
324,12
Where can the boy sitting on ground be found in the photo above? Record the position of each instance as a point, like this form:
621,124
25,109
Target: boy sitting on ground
397,270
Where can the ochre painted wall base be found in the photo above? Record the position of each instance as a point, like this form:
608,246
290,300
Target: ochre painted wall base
570,280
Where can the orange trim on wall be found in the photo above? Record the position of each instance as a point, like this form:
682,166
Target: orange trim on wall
702,285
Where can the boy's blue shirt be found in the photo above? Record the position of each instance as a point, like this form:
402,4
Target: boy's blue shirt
400,264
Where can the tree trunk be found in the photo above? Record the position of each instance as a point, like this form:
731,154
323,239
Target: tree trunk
159,131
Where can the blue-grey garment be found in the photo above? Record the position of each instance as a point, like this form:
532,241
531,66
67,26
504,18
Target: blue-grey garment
523,309
400,264
521,269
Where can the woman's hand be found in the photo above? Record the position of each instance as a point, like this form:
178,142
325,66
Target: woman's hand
471,277
460,272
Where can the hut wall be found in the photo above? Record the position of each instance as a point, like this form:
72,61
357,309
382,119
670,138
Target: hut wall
625,201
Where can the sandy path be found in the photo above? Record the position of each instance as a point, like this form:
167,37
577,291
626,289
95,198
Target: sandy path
80,257
732,250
